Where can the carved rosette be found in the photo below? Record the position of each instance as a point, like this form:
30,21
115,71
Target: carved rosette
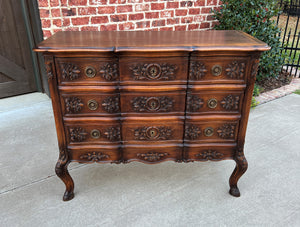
152,156
210,155
113,133
197,70
152,104
230,102
109,71
194,103
153,71
153,133
73,104
77,134
192,132
70,71
235,70
111,104
226,131
94,157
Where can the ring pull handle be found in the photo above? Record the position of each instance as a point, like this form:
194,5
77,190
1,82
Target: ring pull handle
90,71
92,104
212,103
208,131
216,70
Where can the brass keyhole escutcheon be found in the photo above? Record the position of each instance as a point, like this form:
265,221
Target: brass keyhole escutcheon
95,134
153,71
90,71
92,104
216,70
152,133
208,131
212,103
153,104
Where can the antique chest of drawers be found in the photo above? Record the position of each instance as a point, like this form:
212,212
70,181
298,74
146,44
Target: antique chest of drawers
151,96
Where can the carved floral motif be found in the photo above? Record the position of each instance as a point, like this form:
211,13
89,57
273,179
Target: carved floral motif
153,71
73,104
152,104
153,133
211,155
235,70
111,104
197,70
112,133
255,67
194,103
109,71
70,71
151,156
77,134
240,158
192,132
230,102
95,157
226,131
48,63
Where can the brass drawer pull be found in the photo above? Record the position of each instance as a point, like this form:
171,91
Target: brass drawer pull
208,131
92,104
212,103
95,134
216,70
90,71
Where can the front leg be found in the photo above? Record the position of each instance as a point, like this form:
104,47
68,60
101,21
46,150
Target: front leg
61,170
240,169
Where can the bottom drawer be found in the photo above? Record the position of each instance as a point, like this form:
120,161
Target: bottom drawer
100,154
208,152
152,154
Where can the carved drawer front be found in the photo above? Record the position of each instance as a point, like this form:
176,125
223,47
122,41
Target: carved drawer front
80,104
87,71
162,70
203,131
152,154
210,152
97,132
158,130
218,70
205,102
99,154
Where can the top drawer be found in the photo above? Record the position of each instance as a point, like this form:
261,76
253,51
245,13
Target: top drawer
87,71
218,69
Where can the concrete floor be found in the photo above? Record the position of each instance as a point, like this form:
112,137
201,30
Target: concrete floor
168,194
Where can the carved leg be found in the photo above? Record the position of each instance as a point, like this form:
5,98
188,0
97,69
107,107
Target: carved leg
240,169
61,170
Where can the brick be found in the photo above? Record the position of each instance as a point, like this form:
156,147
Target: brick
118,18
77,2
173,21
166,29
205,25
194,11
181,12
142,7
66,22
55,12
152,15
157,6
212,2
44,13
68,12
199,18
193,26
54,3
63,2
126,26
180,28
71,29
187,20
110,27
106,9
43,3
46,34
113,1
46,23
167,13
121,1
99,20
57,30
158,23
98,2
150,0
80,20
89,28
57,22
210,17
186,4
206,10
124,9
172,5
87,10
151,29
143,24
199,3
138,16
135,1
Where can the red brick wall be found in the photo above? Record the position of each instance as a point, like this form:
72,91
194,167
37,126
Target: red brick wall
100,15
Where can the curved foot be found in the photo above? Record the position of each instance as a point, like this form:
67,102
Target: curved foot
240,169
68,196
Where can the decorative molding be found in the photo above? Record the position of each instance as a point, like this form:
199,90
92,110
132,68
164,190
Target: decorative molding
73,104
111,104
192,132
152,104
153,71
197,70
95,157
230,102
109,71
194,103
152,156
153,133
70,71
235,70
226,131
113,133
49,64
210,155
77,134
255,67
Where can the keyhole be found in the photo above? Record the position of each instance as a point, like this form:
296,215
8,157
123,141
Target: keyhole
153,71
152,133
153,105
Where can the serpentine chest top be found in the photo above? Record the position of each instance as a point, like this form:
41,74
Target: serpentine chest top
151,96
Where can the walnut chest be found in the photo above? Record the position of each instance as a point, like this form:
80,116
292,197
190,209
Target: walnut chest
151,96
